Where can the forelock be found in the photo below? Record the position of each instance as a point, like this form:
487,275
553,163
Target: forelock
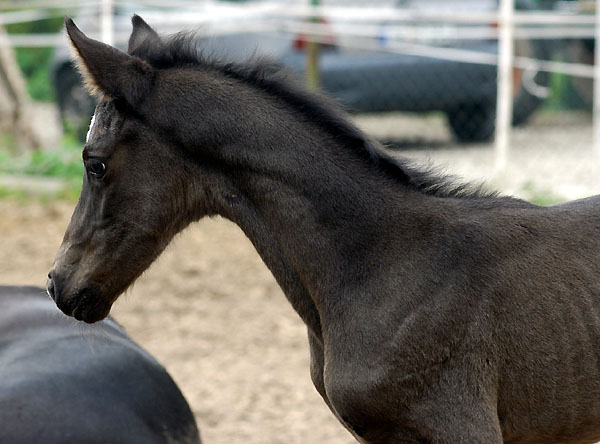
105,125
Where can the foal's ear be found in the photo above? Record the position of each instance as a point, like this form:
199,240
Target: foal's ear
143,37
108,71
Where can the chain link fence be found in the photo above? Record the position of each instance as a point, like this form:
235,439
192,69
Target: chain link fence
422,76
432,89
419,75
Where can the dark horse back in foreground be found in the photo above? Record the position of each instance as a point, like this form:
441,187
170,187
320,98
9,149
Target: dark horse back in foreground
63,384
435,313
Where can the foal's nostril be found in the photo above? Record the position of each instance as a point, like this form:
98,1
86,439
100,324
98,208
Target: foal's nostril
50,287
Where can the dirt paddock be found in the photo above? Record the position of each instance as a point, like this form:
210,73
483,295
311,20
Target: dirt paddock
211,312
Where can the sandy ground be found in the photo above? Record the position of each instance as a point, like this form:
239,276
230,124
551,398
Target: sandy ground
210,311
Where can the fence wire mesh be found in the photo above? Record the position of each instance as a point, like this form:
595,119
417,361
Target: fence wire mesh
419,75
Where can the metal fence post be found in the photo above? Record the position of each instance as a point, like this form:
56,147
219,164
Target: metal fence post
596,121
106,21
504,106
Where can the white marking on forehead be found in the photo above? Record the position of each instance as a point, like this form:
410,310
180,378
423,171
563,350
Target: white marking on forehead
87,137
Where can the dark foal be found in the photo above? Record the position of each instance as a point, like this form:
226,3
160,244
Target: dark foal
435,313
60,384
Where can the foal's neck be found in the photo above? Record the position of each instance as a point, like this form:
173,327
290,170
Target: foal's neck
315,213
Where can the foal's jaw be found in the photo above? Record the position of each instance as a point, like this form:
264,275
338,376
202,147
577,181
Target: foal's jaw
88,274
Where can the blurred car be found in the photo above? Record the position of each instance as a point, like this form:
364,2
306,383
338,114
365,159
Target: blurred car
579,91
373,80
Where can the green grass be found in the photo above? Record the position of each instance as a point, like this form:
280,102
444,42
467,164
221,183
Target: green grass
545,199
540,196
64,164
14,194
69,193
35,63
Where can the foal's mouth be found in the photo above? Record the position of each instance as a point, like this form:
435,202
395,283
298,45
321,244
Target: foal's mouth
84,305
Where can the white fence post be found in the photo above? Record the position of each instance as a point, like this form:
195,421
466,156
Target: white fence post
106,21
597,85
504,106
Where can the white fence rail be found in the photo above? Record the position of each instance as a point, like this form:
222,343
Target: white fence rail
597,87
397,30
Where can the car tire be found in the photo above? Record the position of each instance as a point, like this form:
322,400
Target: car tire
476,122
464,119
472,123
75,104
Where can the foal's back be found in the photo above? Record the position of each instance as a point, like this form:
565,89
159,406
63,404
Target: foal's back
65,383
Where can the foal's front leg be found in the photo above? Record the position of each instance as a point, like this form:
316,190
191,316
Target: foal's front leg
440,416
443,426
446,415
448,407
317,362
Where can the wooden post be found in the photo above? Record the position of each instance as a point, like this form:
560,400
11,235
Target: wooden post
312,57
15,117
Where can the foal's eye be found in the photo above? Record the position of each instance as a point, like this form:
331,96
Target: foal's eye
96,168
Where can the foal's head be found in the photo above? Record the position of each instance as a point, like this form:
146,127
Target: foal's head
174,138
141,185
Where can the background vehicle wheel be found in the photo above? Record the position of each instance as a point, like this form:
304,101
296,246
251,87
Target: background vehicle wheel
528,93
476,122
75,104
472,122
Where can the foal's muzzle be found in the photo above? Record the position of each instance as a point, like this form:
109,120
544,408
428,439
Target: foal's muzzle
85,304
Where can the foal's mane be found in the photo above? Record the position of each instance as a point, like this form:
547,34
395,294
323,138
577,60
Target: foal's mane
181,51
